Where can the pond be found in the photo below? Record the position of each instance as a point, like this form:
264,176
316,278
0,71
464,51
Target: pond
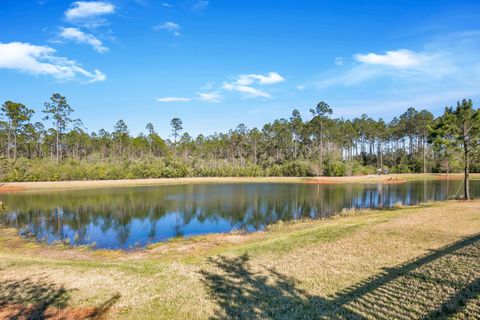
123,218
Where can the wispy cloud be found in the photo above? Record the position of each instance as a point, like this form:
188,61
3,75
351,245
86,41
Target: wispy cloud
200,5
173,99
269,78
89,13
339,61
397,59
213,96
41,60
208,86
172,27
395,64
166,5
78,36
249,92
245,84
446,69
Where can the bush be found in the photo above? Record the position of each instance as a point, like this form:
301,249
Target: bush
95,168
295,169
335,169
401,168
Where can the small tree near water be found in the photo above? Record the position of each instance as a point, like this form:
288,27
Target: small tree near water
460,127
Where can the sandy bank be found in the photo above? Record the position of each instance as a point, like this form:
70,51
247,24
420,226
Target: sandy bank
66,185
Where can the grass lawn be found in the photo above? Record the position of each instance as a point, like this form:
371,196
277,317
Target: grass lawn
421,262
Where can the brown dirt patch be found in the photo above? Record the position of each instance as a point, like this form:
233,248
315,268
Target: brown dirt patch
322,181
22,312
358,179
394,180
449,177
11,188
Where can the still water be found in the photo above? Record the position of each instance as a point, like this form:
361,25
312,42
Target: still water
132,217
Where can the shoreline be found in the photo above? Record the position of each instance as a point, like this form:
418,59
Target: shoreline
354,252
92,184
189,244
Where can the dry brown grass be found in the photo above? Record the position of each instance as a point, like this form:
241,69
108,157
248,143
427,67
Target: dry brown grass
361,265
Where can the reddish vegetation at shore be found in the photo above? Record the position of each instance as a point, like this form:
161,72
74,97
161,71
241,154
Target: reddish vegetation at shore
11,189
393,180
19,311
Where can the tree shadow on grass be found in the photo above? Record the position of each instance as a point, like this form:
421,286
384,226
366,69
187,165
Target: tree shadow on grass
443,283
244,294
38,298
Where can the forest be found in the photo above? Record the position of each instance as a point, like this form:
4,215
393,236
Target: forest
61,148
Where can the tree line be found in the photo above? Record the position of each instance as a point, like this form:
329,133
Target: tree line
60,147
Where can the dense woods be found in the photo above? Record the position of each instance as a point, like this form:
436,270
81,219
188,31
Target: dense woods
60,148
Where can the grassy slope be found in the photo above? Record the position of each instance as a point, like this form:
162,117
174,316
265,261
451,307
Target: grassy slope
377,263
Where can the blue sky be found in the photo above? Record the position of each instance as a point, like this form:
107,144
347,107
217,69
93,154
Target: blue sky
219,63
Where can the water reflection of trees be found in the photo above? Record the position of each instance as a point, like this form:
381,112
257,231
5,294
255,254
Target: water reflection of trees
241,206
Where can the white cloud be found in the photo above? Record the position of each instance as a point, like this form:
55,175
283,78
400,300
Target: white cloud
249,92
78,36
213,96
209,97
244,84
41,60
172,27
397,59
445,70
166,5
89,13
397,64
173,99
269,78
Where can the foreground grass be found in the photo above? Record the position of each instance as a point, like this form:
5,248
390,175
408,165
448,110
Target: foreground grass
403,263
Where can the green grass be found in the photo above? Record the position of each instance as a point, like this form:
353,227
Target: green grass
282,243
441,284
402,263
